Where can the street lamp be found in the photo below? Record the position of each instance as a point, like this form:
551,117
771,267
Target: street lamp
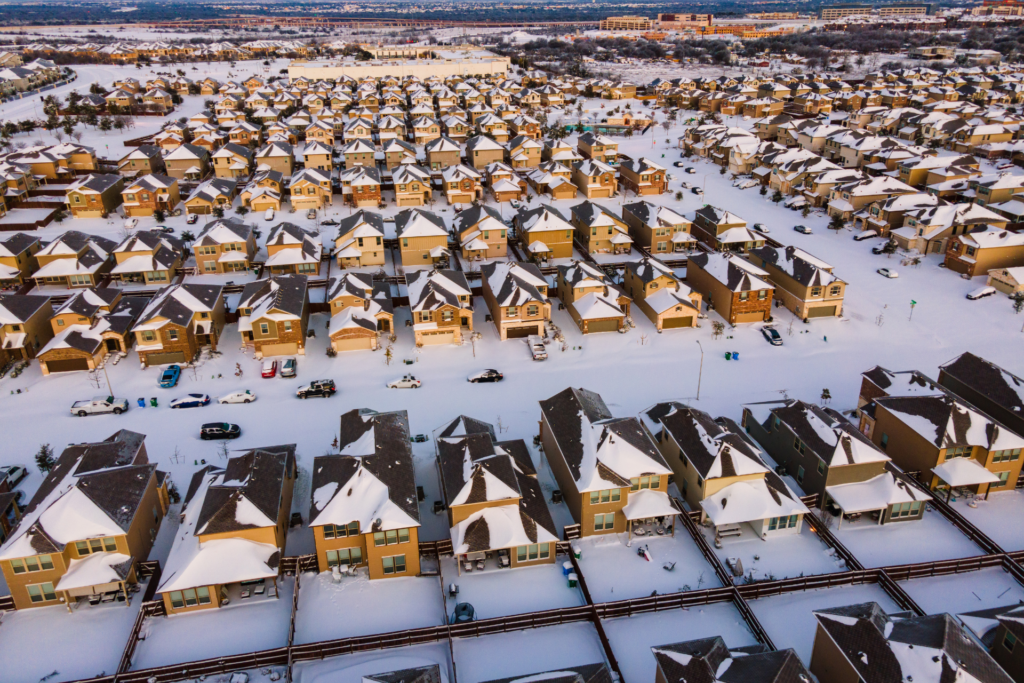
700,373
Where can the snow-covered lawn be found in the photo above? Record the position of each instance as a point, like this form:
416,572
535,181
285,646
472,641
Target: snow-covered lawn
789,621
504,592
926,540
352,668
357,606
967,592
614,571
241,627
633,637
520,653
86,643
778,557
18,216
992,516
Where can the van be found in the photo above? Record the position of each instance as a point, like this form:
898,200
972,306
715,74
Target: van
269,215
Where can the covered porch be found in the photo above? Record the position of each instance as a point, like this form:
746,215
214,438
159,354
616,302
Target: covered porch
499,538
751,503
98,578
649,513
875,497
966,474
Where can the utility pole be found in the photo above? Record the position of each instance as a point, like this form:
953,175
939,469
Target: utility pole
700,373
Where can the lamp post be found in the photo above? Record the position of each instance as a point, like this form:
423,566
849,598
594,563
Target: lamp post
700,373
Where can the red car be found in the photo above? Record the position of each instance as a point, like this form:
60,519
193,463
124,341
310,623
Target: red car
270,368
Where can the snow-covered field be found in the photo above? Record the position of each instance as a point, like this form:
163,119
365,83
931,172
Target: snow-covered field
359,607
927,540
967,592
991,517
504,592
789,621
520,653
633,637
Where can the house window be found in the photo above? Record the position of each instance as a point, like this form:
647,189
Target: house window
651,482
604,522
905,510
172,335
1004,479
405,241
148,336
446,316
959,452
510,312
529,553
394,564
800,474
341,530
835,290
884,443
780,523
1009,641
392,537
264,328
344,556
287,325
821,467
532,310
799,446
1003,456
776,422
744,296
605,496
41,592
762,295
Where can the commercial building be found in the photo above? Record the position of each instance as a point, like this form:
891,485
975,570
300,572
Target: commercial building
628,23
447,63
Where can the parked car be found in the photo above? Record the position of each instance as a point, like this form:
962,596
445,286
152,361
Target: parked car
888,272
802,229
330,221
878,250
685,185
537,349
170,376
311,214
289,367
677,164
864,235
981,293
697,190
98,405
406,382
268,215
244,396
191,401
486,376
324,388
690,169
164,230
771,335
1004,165
762,228
131,223
219,430
269,368
12,474
192,218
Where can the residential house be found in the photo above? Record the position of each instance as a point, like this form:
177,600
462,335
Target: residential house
273,315
224,245
148,194
147,257
595,179
595,303
93,518
552,178
276,156
724,231
481,151
310,189
74,259
598,147
232,161
706,659
95,196
368,513
985,386
599,230
441,303
523,151
360,186
544,232
737,290
290,249
655,289
178,321
849,198
358,152
24,325
360,240
608,469
658,229
481,233
143,160
263,192
18,258
423,237
361,309
88,327
318,156
443,152
188,162
516,294
234,523
412,185
981,251
461,184
398,152
215,193
643,177
803,283
1009,281
928,230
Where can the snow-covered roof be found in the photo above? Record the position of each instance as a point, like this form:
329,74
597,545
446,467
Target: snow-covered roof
876,493
750,501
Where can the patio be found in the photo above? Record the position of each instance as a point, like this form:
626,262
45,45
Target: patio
497,592
777,557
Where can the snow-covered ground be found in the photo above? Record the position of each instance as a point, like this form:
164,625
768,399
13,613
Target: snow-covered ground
241,627
633,637
352,668
991,517
789,621
614,571
357,606
967,592
929,539
519,653
778,557
85,643
504,592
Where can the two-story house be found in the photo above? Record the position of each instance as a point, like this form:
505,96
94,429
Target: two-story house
643,177
86,328
516,294
178,321
95,196
599,230
18,258
147,257
148,194
481,232
273,315
361,309
658,229
594,178
654,288
360,186
441,302
232,161
981,251
224,245
737,290
598,147
360,240
412,185
803,283
544,232
24,325
595,303
310,189
290,249
74,259
723,230
423,237
215,193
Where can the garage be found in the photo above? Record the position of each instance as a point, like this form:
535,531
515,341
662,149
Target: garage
354,343
165,358
670,323
605,325
755,317
286,349
521,332
66,365
821,312
437,337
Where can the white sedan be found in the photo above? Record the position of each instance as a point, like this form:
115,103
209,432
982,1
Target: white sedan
888,272
238,397
407,382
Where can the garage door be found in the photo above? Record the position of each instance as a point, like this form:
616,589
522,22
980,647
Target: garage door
430,338
165,358
67,365
755,317
353,344
821,312
521,332
606,325
288,349
669,323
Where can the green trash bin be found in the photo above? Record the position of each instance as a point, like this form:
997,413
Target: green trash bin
576,552
728,356
152,401
573,580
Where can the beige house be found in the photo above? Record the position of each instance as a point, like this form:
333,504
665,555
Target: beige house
516,294
224,246
95,196
545,233
595,179
360,240
412,185
979,252
598,147
658,229
148,194
594,302
423,237
25,327
18,258
178,321
310,189
232,161
188,161
481,233
147,257
803,283
74,259
441,302
215,193
361,310
664,299
292,250
481,151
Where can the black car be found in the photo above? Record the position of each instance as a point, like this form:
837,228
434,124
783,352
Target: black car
772,336
330,221
677,164
486,376
323,388
219,430
697,190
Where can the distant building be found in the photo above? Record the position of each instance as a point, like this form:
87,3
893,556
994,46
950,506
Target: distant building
678,21
628,23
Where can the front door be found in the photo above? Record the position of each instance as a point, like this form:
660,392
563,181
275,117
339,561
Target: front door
113,346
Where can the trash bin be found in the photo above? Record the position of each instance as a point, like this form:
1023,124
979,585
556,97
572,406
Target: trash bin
567,568
142,403
576,552
152,401
728,356
573,580
735,355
